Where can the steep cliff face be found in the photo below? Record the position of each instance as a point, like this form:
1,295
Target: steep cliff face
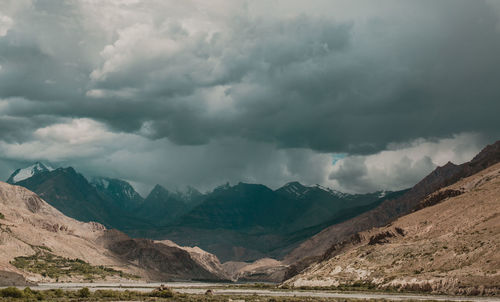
449,245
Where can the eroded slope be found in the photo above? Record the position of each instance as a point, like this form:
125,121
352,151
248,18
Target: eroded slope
449,245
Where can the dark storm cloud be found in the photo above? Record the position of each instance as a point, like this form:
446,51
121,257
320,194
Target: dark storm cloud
295,76
298,82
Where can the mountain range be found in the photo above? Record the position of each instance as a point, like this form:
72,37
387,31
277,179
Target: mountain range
440,236
244,222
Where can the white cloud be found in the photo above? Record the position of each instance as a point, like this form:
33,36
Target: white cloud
73,139
5,24
92,148
402,165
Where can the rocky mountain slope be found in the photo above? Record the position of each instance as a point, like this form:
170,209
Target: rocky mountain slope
39,243
312,250
118,190
242,222
448,245
262,270
250,221
72,194
163,206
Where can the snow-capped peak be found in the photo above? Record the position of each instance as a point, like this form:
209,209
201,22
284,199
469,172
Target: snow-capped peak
25,173
332,191
295,188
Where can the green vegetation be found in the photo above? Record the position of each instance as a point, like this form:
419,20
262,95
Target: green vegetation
28,295
2,216
84,292
53,266
11,292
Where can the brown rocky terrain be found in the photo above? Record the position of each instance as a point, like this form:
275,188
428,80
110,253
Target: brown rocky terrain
262,270
312,250
164,261
34,231
449,244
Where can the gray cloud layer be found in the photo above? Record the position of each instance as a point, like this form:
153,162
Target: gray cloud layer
266,89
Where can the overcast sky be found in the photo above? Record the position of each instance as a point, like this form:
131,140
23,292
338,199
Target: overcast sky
355,95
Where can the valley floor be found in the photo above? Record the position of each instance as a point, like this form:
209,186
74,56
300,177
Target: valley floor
192,291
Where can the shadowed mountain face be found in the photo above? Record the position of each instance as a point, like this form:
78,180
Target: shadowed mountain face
71,193
249,221
109,201
163,206
118,190
241,222
313,249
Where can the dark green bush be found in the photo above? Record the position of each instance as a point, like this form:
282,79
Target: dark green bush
11,292
27,292
84,292
2,216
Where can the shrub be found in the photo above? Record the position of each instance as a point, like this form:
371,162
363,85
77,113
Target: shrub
27,292
11,292
84,292
2,216
106,293
165,293
58,292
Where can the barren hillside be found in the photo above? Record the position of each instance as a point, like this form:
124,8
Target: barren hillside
449,245
39,243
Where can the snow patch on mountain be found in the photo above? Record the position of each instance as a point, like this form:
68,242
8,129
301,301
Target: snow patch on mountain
295,188
299,190
331,191
25,173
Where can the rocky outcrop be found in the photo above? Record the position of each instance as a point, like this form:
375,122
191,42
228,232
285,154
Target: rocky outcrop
437,197
162,262
207,260
263,270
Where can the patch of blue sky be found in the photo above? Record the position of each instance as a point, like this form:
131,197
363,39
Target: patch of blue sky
338,156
